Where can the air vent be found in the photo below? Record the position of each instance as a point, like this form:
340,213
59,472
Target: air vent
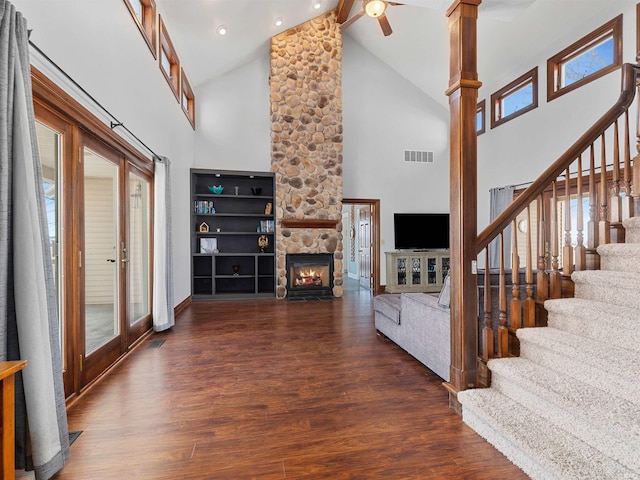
155,343
418,156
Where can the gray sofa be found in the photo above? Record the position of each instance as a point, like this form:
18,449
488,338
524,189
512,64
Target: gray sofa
419,323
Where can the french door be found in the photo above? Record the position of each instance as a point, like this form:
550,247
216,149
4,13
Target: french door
98,207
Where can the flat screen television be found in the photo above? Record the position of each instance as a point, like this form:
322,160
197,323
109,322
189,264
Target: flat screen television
421,231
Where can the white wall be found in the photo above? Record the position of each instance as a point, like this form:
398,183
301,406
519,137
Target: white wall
384,114
98,44
233,119
519,150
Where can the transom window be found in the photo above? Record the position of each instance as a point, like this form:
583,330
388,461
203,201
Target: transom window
480,117
144,14
188,100
514,99
591,57
169,63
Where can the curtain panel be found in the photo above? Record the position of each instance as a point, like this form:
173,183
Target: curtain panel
163,313
28,313
500,198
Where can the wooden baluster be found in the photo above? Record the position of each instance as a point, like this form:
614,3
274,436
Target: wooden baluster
580,252
615,199
555,280
542,279
615,204
593,259
635,191
604,234
516,304
567,249
487,330
627,199
503,332
529,302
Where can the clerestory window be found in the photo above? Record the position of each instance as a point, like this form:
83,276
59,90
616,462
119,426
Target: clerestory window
188,100
480,118
514,99
144,14
169,62
591,57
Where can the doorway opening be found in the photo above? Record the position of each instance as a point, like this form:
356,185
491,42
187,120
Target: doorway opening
361,232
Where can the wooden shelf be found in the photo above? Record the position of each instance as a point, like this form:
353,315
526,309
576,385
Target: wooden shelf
239,218
309,223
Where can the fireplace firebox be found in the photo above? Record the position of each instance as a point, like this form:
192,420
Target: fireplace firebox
309,275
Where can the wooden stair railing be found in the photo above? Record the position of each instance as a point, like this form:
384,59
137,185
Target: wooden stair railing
611,198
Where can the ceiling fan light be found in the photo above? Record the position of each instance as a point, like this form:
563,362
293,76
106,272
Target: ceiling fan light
375,8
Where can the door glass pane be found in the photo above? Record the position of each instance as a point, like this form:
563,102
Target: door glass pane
49,146
138,254
101,250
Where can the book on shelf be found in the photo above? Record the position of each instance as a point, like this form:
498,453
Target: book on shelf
267,226
203,207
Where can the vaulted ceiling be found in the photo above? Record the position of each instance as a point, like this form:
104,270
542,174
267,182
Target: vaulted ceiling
417,49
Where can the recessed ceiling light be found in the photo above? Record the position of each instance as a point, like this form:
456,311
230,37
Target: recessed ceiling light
317,4
222,30
278,21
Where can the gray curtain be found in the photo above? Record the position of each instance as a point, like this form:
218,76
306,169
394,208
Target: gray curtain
28,315
500,198
163,315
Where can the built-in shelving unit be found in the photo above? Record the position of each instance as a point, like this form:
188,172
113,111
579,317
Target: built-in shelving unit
227,260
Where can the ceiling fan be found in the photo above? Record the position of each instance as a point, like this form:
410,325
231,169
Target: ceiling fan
375,9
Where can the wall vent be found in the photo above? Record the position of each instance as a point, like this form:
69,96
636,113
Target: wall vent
418,156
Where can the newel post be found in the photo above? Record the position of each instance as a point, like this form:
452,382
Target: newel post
463,99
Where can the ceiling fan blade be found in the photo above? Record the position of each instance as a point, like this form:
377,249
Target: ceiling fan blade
395,4
351,20
384,25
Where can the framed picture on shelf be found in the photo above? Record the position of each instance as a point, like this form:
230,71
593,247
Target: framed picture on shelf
208,245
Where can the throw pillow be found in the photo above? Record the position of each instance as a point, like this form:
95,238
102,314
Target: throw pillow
444,298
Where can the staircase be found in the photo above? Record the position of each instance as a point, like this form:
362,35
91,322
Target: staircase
569,406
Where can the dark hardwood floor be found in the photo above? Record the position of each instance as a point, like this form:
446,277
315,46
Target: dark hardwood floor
272,389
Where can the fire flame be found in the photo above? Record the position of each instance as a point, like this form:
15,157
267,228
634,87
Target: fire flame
307,277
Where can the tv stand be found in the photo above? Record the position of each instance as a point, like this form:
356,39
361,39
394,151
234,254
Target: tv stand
416,271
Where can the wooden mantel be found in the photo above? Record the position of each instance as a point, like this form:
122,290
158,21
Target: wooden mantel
308,223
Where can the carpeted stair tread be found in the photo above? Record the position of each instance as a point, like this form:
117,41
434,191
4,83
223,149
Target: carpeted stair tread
610,368
611,425
616,288
621,257
593,319
632,229
540,449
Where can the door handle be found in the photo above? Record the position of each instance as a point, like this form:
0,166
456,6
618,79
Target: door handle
111,260
124,257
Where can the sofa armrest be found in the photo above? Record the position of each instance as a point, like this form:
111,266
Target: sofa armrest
428,324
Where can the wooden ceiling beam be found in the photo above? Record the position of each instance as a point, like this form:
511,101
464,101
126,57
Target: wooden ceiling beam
344,8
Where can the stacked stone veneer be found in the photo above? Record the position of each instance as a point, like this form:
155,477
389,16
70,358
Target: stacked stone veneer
306,141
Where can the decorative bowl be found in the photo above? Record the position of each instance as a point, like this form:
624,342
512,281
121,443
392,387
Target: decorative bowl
256,190
217,189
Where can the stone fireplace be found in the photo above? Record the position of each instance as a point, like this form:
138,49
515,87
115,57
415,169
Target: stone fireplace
306,146
309,275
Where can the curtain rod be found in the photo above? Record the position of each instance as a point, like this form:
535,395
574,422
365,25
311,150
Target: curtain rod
585,170
113,124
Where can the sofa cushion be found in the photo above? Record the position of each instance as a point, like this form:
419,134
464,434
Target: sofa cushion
444,299
389,305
